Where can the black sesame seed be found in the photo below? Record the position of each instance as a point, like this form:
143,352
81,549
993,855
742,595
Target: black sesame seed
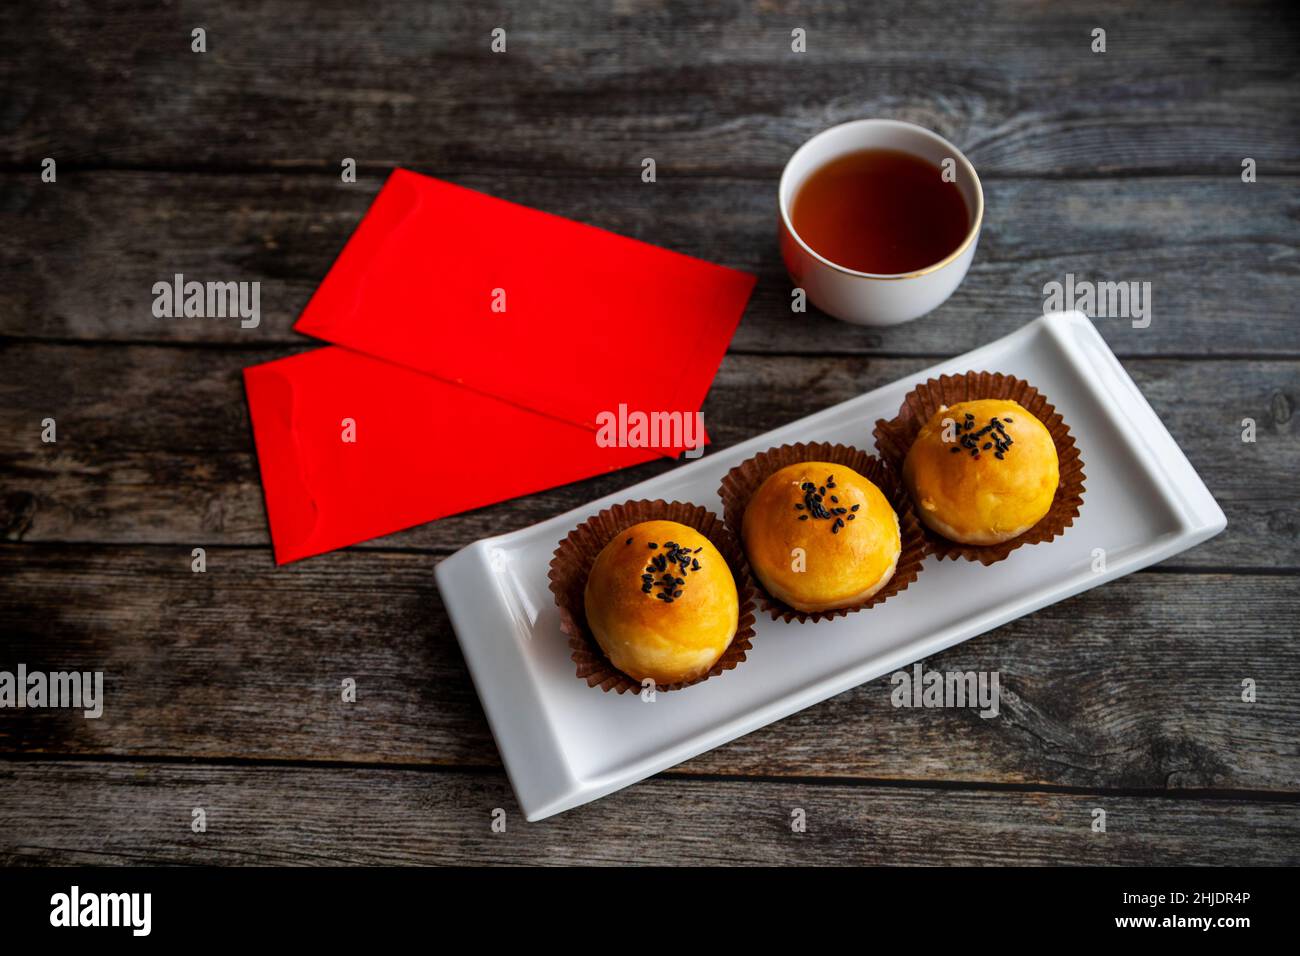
677,594
803,517
629,541
855,507
997,454
834,499
955,450
652,546
851,517
988,445
798,507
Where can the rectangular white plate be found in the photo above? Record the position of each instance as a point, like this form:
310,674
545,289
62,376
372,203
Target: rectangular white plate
565,744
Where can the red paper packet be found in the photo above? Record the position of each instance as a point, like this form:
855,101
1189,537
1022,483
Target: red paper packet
591,319
592,325
421,449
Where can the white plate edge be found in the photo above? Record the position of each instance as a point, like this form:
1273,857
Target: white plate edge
1200,515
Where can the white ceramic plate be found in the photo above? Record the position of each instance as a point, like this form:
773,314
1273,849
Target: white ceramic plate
565,743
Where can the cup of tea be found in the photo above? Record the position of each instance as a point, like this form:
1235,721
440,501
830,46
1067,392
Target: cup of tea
879,220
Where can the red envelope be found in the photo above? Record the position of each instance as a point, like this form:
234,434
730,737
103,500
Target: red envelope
421,449
590,319
485,343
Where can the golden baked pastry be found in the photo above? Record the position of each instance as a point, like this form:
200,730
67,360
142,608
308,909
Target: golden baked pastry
820,536
987,476
661,602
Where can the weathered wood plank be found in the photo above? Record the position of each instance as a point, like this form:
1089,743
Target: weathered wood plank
154,444
1181,87
96,813
245,661
1220,255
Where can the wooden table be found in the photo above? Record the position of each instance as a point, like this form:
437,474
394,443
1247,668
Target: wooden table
223,687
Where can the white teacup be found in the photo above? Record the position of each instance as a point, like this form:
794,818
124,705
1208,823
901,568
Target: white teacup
866,298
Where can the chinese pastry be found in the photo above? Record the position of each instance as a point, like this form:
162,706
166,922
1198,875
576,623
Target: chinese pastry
661,602
982,472
820,536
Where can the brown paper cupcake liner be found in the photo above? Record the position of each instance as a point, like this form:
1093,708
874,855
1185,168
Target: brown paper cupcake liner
741,482
573,561
894,439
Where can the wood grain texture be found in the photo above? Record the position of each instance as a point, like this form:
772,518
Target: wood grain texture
1136,685
154,445
96,813
223,688
94,243
706,89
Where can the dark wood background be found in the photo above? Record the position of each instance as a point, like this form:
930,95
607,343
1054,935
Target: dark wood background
222,688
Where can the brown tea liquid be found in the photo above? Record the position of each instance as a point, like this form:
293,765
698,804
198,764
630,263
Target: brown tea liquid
881,211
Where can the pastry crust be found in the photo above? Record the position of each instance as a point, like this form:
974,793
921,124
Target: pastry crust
645,635
798,551
963,490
